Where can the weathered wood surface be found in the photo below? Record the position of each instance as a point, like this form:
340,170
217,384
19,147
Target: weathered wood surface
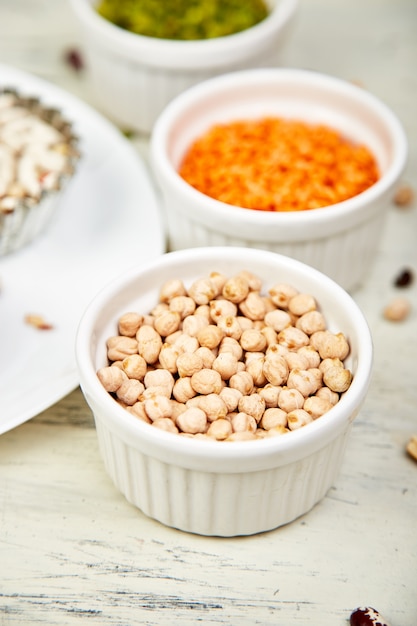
73,551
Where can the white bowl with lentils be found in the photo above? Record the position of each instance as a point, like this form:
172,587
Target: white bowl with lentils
280,159
223,383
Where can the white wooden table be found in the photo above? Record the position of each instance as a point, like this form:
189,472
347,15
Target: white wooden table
73,551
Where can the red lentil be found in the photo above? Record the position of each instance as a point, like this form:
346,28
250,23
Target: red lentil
277,164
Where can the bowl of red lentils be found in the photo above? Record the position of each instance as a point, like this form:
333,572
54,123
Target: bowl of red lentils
287,160
224,383
139,55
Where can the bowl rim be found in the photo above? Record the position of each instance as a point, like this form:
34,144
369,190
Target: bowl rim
180,54
200,454
209,211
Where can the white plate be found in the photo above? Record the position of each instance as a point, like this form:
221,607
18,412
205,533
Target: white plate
109,221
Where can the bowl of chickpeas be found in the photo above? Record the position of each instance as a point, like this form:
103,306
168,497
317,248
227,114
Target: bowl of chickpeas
140,55
224,383
288,160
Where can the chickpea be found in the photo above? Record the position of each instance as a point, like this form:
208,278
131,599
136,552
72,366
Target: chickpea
230,326
161,307
168,358
153,391
111,378
183,389
272,418
242,422
255,367
278,319
138,410
225,364
293,338
254,282
134,366
172,338
171,289
213,406
176,409
281,295
192,324
311,354
244,322
218,279
222,308
337,379
276,431
129,391
301,303
242,436
328,363
253,340
167,323
275,368
235,289
397,310
328,394
253,405
298,418
317,406
160,378
304,381
311,322
290,399
183,305
220,429
203,310
210,336
253,307
158,407
228,344
230,398
330,345
186,343
120,347
296,360
208,356
206,381
189,363
243,382
192,421
149,343
270,335
270,393
129,323
165,423
203,290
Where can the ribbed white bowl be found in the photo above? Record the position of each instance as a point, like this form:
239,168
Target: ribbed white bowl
134,77
340,240
220,488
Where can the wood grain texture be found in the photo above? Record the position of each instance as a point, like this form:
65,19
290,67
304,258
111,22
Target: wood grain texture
73,551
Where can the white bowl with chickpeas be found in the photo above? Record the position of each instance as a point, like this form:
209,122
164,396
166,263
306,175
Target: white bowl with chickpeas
288,160
224,382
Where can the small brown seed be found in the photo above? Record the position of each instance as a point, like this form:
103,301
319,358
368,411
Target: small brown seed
404,278
404,196
397,310
411,447
367,616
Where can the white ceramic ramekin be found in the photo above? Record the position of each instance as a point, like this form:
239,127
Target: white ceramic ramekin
340,240
134,77
220,488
